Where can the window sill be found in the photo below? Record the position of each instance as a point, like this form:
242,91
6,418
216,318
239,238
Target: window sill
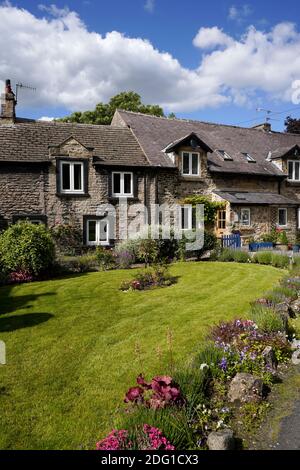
191,178
72,195
123,198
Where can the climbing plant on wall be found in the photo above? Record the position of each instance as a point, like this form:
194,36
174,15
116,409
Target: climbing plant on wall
210,207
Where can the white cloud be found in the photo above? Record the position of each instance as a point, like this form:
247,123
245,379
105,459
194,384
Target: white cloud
210,38
74,68
239,14
149,6
46,119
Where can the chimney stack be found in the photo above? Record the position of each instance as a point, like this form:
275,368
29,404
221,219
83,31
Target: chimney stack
266,126
8,105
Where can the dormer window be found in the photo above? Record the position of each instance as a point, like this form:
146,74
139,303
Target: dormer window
225,155
71,177
248,157
190,164
294,171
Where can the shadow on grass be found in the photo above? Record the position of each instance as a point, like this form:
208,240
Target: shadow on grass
10,303
17,322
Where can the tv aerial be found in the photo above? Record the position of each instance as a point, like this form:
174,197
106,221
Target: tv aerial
22,86
268,112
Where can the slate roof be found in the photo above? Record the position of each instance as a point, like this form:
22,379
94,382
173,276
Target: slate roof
155,134
30,141
256,198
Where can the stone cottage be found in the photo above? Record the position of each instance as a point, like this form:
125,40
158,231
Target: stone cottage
52,172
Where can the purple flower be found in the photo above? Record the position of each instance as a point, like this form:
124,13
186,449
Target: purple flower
223,364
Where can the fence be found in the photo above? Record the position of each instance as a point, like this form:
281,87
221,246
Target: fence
231,241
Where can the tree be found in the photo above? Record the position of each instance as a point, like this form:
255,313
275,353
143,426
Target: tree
292,126
103,113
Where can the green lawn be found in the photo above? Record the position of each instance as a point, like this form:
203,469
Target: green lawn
75,345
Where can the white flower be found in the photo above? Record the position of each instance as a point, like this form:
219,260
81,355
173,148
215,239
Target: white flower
204,366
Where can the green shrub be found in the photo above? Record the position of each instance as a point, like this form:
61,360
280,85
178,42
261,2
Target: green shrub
281,294
148,251
262,257
67,237
27,247
106,258
154,276
210,243
267,319
280,261
282,238
227,255
81,264
241,256
270,237
209,358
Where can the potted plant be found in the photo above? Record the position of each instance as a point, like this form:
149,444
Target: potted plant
282,241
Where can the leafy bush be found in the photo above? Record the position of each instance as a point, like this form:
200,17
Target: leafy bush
267,319
227,255
270,237
282,238
67,237
124,259
280,261
81,264
210,243
106,258
155,276
27,247
262,257
148,251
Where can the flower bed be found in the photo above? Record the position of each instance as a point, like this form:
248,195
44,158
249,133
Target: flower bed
156,276
184,410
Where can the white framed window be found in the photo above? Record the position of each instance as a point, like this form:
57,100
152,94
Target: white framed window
225,155
188,218
293,170
122,184
190,164
97,232
282,217
246,217
71,177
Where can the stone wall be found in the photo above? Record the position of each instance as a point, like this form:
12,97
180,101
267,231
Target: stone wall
22,189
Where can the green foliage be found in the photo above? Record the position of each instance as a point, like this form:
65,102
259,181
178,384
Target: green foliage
148,251
103,113
282,238
238,256
262,257
252,414
106,258
267,319
270,237
280,261
210,207
81,264
67,237
153,276
27,247
292,125
210,243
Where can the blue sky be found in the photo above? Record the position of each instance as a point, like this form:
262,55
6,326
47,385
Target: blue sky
217,69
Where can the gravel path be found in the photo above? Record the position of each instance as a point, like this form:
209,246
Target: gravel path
289,435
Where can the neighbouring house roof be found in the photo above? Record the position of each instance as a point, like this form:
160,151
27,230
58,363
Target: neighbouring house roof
283,152
29,142
154,134
267,199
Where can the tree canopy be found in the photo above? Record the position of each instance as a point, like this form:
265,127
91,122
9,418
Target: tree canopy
103,113
292,125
